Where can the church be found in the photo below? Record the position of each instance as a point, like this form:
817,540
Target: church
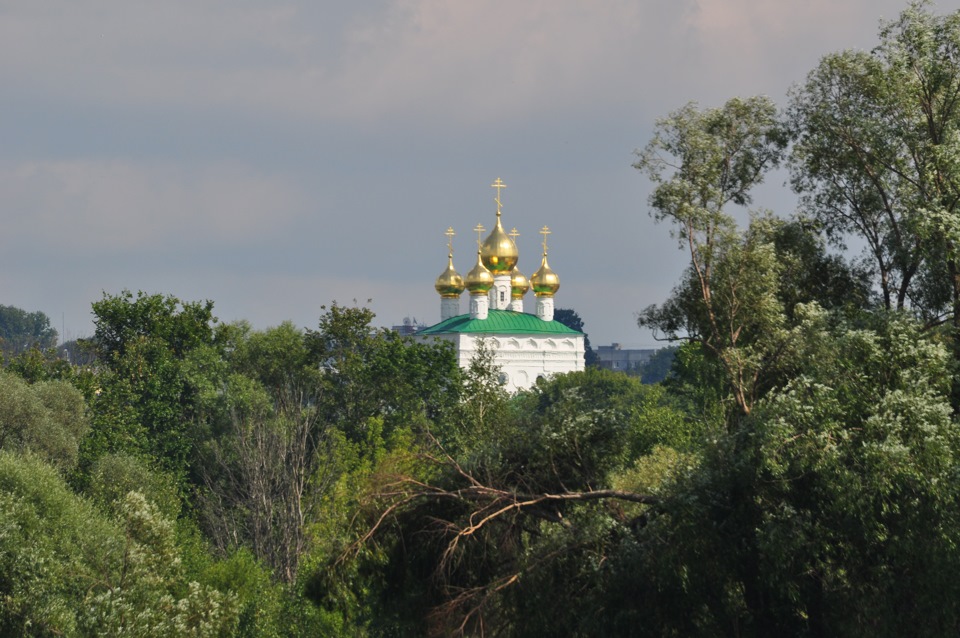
526,347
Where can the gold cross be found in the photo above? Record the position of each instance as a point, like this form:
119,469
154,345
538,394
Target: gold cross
544,231
514,234
499,185
450,235
479,230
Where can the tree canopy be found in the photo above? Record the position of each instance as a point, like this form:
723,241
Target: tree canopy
21,330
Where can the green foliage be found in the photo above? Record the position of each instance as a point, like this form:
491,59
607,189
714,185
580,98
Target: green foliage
657,368
816,508
123,321
877,157
809,274
702,161
730,306
67,569
147,597
21,331
52,549
152,350
714,158
519,569
259,600
376,373
476,427
47,419
577,428
278,358
113,476
35,365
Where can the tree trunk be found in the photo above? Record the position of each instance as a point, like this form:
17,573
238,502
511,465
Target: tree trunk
954,270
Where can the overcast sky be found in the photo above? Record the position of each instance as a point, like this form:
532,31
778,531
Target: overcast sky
274,156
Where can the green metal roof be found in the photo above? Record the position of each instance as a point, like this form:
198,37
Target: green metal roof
499,322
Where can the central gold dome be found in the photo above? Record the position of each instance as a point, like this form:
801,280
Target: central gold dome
499,252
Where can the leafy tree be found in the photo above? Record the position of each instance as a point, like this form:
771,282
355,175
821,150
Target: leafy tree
732,311
808,273
829,511
658,366
47,419
296,412
113,476
268,460
510,536
21,330
876,156
377,374
37,365
147,401
67,569
702,161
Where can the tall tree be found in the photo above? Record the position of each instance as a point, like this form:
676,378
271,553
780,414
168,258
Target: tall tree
877,155
297,411
702,161
272,457
148,401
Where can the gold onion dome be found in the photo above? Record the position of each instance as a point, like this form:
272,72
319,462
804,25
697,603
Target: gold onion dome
479,280
545,282
499,252
518,284
449,283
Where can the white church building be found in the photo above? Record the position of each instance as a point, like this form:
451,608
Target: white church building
526,347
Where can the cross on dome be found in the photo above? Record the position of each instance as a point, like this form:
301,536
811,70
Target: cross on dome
479,231
499,185
450,235
545,231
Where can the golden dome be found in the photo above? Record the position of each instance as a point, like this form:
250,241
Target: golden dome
518,284
545,282
479,280
499,252
449,283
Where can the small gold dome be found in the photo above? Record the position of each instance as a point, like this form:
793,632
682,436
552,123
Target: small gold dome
449,283
545,282
518,284
479,280
499,252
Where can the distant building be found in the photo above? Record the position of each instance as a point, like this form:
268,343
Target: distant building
408,327
525,346
615,357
